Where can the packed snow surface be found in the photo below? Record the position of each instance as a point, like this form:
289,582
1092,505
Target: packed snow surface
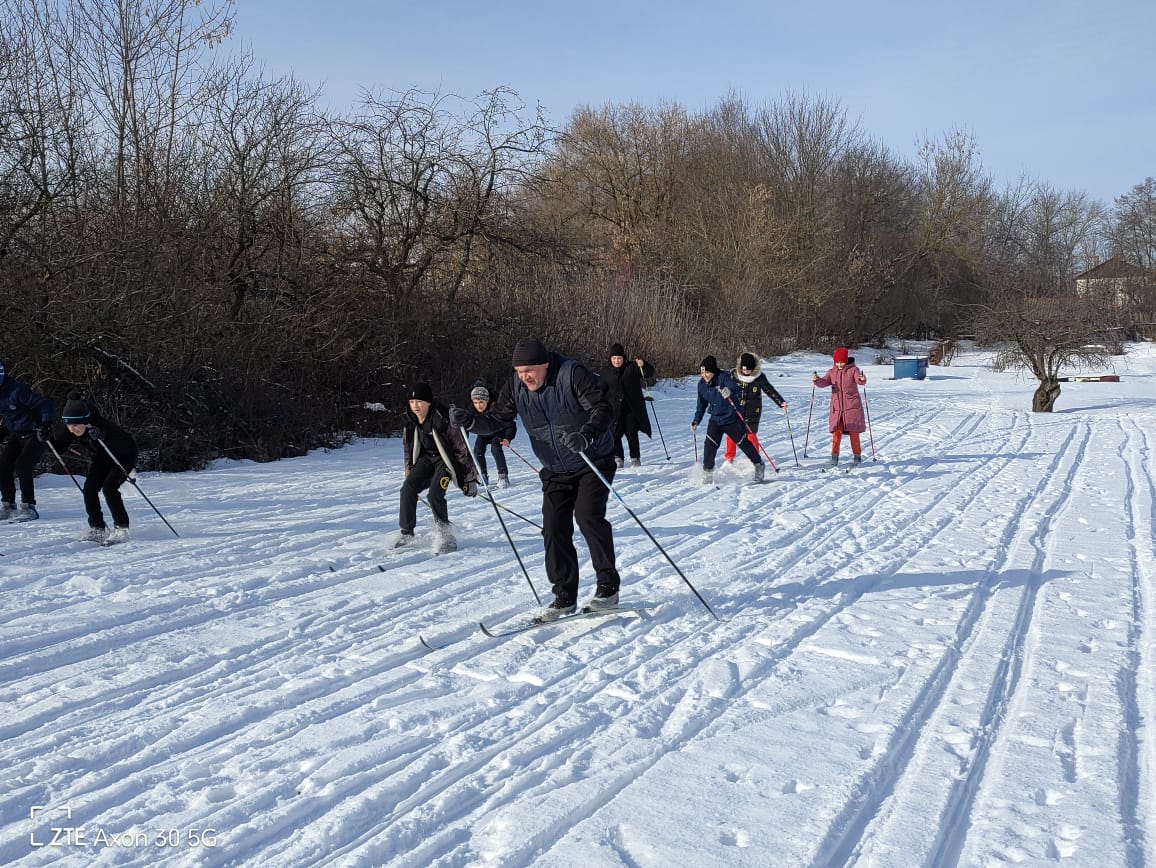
944,657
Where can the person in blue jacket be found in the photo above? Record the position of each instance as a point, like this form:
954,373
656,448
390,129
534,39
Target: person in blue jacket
714,392
565,413
28,418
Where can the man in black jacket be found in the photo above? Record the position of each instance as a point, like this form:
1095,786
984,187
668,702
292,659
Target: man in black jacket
624,391
564,410
436,456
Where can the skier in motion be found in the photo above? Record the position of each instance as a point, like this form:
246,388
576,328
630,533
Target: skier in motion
846,414
565,412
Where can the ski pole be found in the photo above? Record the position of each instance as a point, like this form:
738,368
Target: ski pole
501,520
809,409
60,458
694,434
129,477
515,514
681,574
650,398
752,433
791,434
867,412
519,454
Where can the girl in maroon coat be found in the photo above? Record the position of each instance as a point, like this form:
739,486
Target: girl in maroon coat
846,415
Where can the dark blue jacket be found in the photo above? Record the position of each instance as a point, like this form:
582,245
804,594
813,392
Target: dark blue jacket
24,410
571,399
721,410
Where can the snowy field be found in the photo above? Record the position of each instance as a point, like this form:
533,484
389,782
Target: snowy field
944,658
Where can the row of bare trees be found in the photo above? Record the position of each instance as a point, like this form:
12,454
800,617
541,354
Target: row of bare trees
232,270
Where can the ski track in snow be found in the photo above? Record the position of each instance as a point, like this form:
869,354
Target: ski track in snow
900,647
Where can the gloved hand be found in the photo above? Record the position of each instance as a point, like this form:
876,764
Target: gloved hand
471,489
44,433
724,391
576,441
693,426
461,417
95,433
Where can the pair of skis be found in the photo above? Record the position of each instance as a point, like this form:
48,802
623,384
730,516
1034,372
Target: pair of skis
517,629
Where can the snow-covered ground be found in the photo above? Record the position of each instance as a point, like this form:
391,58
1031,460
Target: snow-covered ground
944,658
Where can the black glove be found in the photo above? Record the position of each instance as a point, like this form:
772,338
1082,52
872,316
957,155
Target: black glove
95,433
461,418
44,433
576,441
471,489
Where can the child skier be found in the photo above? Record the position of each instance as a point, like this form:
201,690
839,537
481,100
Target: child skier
752,383
480,397
436,455
714,391
846,414
102,440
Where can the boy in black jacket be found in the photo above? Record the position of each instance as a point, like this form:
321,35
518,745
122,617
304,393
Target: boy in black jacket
436,455
90,431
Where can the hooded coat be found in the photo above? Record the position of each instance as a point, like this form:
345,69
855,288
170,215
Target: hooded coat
846,411
749,397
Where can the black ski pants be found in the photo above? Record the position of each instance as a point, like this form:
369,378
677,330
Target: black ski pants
104,477
737,431
494,443
626,426
578,497
18,461
425,473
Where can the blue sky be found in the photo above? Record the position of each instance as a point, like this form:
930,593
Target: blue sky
1062,91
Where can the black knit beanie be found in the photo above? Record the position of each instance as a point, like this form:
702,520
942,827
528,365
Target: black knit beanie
617,350
529,351
421,392
75,409
746,360
710,365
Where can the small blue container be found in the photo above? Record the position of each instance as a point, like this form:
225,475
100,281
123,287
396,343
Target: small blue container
910,368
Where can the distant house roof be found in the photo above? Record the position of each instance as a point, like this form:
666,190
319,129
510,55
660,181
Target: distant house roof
1111,269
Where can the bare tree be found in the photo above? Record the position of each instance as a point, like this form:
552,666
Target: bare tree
1032,312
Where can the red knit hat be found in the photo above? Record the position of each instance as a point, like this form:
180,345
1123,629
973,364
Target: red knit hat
840,355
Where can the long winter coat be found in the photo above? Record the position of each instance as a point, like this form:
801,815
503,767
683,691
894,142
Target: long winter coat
846,411
440,440
571,399
721,410
750,394
624,387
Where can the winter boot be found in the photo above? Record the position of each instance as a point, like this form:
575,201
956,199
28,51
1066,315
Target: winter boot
94,534
601,602
834,462
404,538
7,510
618,462
856,459
27,512
760,469
555,611
503,481
118,534
635,462
707,476
444,541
